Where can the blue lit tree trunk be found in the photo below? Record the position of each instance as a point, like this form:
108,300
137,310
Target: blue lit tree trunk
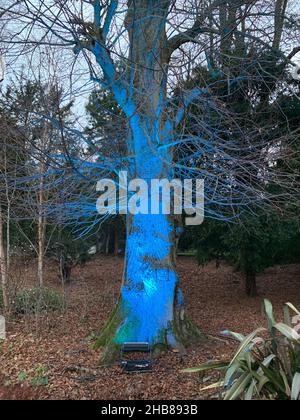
150,282
151,304
150,307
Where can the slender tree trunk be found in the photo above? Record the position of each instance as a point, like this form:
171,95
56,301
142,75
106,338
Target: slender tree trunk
41,248
107,242
3,266
280,9
41,232
8,238
117,238
65,269
251,287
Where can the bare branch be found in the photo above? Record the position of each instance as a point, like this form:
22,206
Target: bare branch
199,25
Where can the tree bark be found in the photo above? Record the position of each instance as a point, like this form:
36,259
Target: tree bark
8,251
150,306
41,230
3,267
107,241
117,238
251,287
65,269
280,9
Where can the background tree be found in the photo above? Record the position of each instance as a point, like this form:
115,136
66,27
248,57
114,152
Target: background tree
107,129
12,168
34,106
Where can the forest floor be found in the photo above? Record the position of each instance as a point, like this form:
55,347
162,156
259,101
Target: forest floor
50,356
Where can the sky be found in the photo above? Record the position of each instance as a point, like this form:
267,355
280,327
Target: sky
50,63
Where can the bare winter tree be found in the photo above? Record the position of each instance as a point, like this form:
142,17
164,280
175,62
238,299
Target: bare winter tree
39,109
159,44
11,166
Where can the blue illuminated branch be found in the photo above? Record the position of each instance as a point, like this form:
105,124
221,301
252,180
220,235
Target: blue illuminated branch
112,8
195,93
97,13
112,79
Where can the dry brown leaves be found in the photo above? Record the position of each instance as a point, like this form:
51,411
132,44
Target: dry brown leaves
56,346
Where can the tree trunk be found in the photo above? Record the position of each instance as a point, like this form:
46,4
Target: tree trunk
65,269
3,267
251,287
8,237
280,9
150,307
107,242
41,231
41,247
117,238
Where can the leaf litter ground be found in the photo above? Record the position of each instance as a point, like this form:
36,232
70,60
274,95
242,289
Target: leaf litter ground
50,356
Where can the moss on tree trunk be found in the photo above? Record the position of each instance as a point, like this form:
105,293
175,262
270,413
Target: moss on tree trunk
178,334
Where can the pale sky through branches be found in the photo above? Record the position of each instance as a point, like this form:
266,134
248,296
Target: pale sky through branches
73,71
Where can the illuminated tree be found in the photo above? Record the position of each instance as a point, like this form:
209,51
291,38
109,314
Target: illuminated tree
158,43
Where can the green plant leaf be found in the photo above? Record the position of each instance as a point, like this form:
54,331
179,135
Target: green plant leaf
236,336
22,376
239,387
273,378
213,365
286,310
262,368
231,371
268,307
296,387
287,331
40,381
262,382
292,307
266,362
269,359
287,316
245,344
250,391
286,383
213,386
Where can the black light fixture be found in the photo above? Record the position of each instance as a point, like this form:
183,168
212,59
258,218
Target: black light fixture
137,366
